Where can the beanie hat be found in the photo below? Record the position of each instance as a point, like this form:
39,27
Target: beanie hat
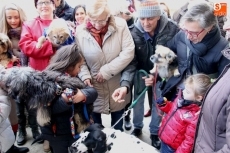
148,8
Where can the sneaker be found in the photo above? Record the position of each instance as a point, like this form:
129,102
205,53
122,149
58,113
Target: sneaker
128,125
136,132
21,140
155,141
46,146
148,113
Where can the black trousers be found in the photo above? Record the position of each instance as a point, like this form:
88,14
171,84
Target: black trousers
22,117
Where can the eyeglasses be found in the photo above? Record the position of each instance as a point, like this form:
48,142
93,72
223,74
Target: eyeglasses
46,3
193,34
98,21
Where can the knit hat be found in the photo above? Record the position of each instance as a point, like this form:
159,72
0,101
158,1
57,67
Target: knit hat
148,8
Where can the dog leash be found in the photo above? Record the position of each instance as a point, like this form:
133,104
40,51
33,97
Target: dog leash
136,100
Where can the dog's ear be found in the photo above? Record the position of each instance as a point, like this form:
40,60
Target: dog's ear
100,139
171,56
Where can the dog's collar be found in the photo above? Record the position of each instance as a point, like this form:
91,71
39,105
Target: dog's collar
58,89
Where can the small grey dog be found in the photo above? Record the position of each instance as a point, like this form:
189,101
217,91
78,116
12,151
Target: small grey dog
165,62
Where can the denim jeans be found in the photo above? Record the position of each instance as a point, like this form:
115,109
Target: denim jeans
115,116
138,109
166,149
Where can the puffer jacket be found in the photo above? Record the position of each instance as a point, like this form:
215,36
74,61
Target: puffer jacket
177,129
6,133
213,127
116,53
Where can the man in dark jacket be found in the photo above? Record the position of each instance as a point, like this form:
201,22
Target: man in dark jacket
63,10
151,28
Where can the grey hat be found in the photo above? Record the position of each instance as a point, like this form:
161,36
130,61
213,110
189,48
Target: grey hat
149,8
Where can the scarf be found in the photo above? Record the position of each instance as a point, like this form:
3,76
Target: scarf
97,34
200,49
60,9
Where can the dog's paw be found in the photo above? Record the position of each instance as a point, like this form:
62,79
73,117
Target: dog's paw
41,40
38,45
176,73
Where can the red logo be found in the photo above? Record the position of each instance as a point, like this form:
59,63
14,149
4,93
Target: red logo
220,9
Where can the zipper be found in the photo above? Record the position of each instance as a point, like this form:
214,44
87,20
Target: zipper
168,121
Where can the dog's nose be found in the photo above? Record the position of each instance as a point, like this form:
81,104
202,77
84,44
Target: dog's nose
152,58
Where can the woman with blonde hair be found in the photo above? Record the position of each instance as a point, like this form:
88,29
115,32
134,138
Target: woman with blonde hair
11,19
108,48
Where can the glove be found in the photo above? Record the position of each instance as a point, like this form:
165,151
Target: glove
161,101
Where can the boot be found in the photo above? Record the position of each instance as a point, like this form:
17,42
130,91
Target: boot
36,134
21,136
15,149
155,141
127,122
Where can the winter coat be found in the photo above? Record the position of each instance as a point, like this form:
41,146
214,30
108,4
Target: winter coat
145,48
116,53
60,117
64,11
205,57
178,126
212,133
31,31
6,133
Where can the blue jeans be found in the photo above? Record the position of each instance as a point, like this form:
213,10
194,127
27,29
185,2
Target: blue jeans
166,149
115,116
138,109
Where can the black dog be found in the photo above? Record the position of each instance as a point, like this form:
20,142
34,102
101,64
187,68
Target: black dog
39,89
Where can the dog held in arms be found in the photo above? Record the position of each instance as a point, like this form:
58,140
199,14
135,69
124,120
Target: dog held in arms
39,89
58,33
97,139
6,57
165,62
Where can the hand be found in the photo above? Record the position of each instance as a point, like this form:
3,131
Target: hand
69,96
119,94
88,82
149,81
99,78
161,101
14,59
78,97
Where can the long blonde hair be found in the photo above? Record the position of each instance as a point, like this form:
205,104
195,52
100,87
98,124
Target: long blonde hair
199,82
4,26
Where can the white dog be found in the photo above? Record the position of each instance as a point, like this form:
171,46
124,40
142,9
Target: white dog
97,139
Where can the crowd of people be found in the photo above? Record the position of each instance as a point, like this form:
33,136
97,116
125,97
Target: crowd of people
189,112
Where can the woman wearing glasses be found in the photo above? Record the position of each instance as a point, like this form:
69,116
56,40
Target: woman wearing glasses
108,48
198,46
32,30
